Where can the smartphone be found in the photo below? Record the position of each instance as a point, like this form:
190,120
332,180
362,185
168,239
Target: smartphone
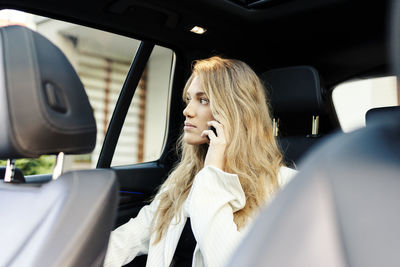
213,129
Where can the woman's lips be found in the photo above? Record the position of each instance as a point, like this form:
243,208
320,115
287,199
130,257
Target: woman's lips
188,126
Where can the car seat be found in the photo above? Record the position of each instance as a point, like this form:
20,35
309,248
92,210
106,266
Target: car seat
44,110
300,109
382,115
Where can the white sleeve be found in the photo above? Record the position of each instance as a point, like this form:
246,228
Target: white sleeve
131,239
214,197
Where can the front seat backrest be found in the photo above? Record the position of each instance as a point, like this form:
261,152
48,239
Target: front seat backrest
44,110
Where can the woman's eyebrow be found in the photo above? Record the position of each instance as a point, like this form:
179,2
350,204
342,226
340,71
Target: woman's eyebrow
198,94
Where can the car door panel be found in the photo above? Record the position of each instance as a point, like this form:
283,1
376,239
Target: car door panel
138,184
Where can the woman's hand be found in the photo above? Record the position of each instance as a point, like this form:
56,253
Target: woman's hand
216,151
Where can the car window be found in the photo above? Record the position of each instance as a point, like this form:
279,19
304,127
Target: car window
143,132
353,99
102,60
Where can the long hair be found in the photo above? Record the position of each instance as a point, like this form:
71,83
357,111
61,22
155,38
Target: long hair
237,98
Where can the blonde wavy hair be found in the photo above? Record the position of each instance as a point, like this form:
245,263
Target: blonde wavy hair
237,99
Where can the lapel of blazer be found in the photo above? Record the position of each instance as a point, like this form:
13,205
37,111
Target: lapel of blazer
172,238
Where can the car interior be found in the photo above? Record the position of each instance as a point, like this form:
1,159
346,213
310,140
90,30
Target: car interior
301,49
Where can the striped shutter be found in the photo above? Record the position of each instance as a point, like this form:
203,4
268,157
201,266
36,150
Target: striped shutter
103,79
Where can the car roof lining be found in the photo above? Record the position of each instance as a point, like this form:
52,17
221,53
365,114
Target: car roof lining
324,35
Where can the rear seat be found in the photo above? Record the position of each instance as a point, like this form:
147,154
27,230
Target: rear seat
300,109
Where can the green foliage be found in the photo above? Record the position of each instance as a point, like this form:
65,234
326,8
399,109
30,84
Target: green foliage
41,165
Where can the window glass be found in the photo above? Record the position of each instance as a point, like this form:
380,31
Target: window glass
102,61
143,132
353,99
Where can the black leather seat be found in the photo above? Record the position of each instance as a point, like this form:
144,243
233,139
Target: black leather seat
296,97
382,115
45,110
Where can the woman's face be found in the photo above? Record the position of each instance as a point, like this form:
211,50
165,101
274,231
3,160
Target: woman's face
197,113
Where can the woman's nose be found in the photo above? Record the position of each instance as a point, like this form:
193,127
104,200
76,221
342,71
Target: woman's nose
188,111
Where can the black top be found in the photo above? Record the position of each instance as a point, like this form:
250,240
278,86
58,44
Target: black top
183,255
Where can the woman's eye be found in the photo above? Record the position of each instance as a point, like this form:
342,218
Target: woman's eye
203,101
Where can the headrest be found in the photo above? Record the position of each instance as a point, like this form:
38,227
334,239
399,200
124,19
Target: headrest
382,115
43,106
294,90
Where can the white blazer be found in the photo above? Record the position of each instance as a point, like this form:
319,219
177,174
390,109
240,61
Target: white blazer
214,197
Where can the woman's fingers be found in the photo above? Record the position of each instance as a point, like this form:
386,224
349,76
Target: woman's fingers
216,150
220,136
208,133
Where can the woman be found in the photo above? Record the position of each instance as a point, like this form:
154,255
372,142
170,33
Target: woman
222,179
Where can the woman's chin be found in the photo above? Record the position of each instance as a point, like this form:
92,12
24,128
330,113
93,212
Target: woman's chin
194,140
